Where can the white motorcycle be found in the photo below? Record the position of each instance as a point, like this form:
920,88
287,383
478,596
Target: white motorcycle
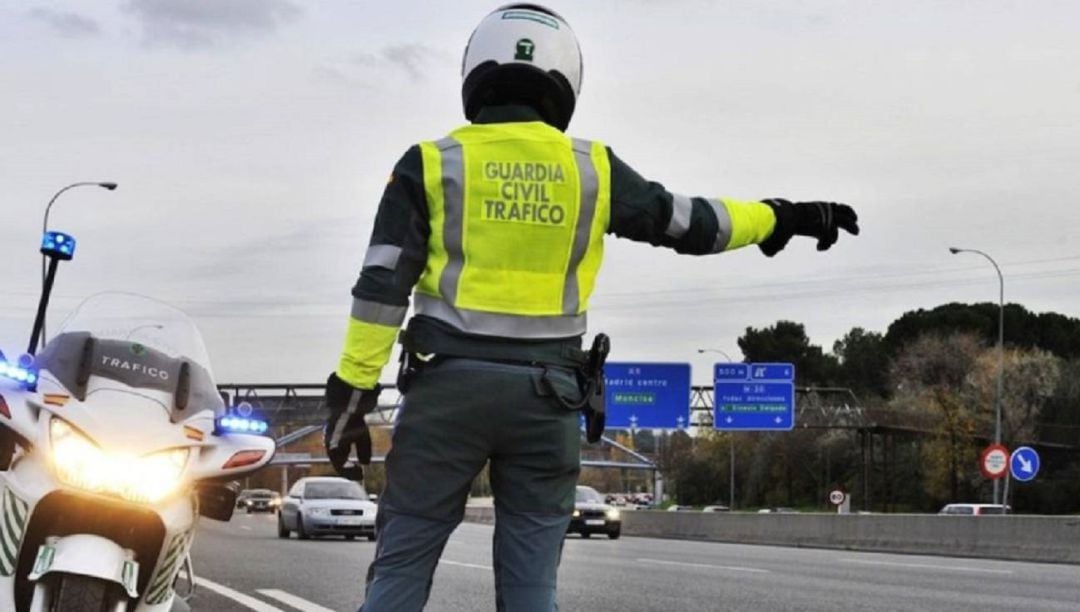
113,441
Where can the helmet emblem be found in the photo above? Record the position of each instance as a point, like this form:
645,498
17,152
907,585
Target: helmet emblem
138,350
525,49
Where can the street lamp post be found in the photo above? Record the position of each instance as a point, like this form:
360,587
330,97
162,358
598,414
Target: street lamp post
45,222
731,438
1001,352
105,185
712,350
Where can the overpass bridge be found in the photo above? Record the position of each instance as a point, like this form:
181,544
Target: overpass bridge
816,407
298,406
296,411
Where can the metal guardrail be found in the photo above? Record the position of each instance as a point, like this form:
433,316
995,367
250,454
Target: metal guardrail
382,459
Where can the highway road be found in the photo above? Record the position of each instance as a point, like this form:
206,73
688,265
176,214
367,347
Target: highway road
244,566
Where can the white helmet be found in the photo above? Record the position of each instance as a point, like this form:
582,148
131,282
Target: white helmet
523,54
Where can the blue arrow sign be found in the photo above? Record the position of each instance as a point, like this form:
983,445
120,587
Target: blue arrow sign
647,395
1024,463
754,396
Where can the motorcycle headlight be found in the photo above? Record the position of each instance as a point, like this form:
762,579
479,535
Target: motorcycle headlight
81,464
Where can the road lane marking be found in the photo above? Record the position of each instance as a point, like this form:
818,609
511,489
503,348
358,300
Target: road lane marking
245,527
472,565
238,597
292,600
951,568
731,568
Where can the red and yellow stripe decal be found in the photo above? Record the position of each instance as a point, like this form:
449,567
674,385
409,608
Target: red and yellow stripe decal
55,399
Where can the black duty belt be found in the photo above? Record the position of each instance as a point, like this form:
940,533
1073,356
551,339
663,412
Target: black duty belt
422,340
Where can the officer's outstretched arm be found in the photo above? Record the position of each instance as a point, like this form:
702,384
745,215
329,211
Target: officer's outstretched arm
645,211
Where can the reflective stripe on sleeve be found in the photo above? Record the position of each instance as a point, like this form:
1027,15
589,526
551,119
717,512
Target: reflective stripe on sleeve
751,222
590,185
496,324
681,207
382,256
380,314
453,185
723,225
367,349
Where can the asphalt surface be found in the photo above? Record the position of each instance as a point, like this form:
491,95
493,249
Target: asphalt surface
246,559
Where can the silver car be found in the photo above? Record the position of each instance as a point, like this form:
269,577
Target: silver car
319,506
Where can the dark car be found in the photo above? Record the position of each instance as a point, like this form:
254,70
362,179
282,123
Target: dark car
592,515
259,500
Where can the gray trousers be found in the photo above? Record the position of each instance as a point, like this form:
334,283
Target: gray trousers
458,416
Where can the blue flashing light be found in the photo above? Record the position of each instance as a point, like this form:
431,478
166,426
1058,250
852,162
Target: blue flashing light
234,424
26,375
58,245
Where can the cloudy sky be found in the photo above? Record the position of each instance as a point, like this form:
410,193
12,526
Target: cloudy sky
251,140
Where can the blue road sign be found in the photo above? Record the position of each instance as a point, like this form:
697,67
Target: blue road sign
647,395
754,396
1024,463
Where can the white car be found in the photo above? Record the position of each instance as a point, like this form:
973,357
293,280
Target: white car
974,509
327,505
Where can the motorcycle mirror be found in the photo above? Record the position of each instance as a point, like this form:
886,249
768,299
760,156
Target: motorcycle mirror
217,500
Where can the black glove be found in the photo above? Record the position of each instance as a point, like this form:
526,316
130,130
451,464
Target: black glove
345,427
821,220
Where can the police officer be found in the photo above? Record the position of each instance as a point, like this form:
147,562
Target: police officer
496,231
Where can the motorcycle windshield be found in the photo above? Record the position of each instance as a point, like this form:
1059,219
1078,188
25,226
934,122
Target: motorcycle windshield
136,341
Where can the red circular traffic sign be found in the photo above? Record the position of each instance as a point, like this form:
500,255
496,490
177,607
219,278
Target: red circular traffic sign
994,461
837,497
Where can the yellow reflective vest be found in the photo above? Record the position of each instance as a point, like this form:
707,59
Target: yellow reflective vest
518,213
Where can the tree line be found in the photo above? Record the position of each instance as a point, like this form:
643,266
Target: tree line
933,372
